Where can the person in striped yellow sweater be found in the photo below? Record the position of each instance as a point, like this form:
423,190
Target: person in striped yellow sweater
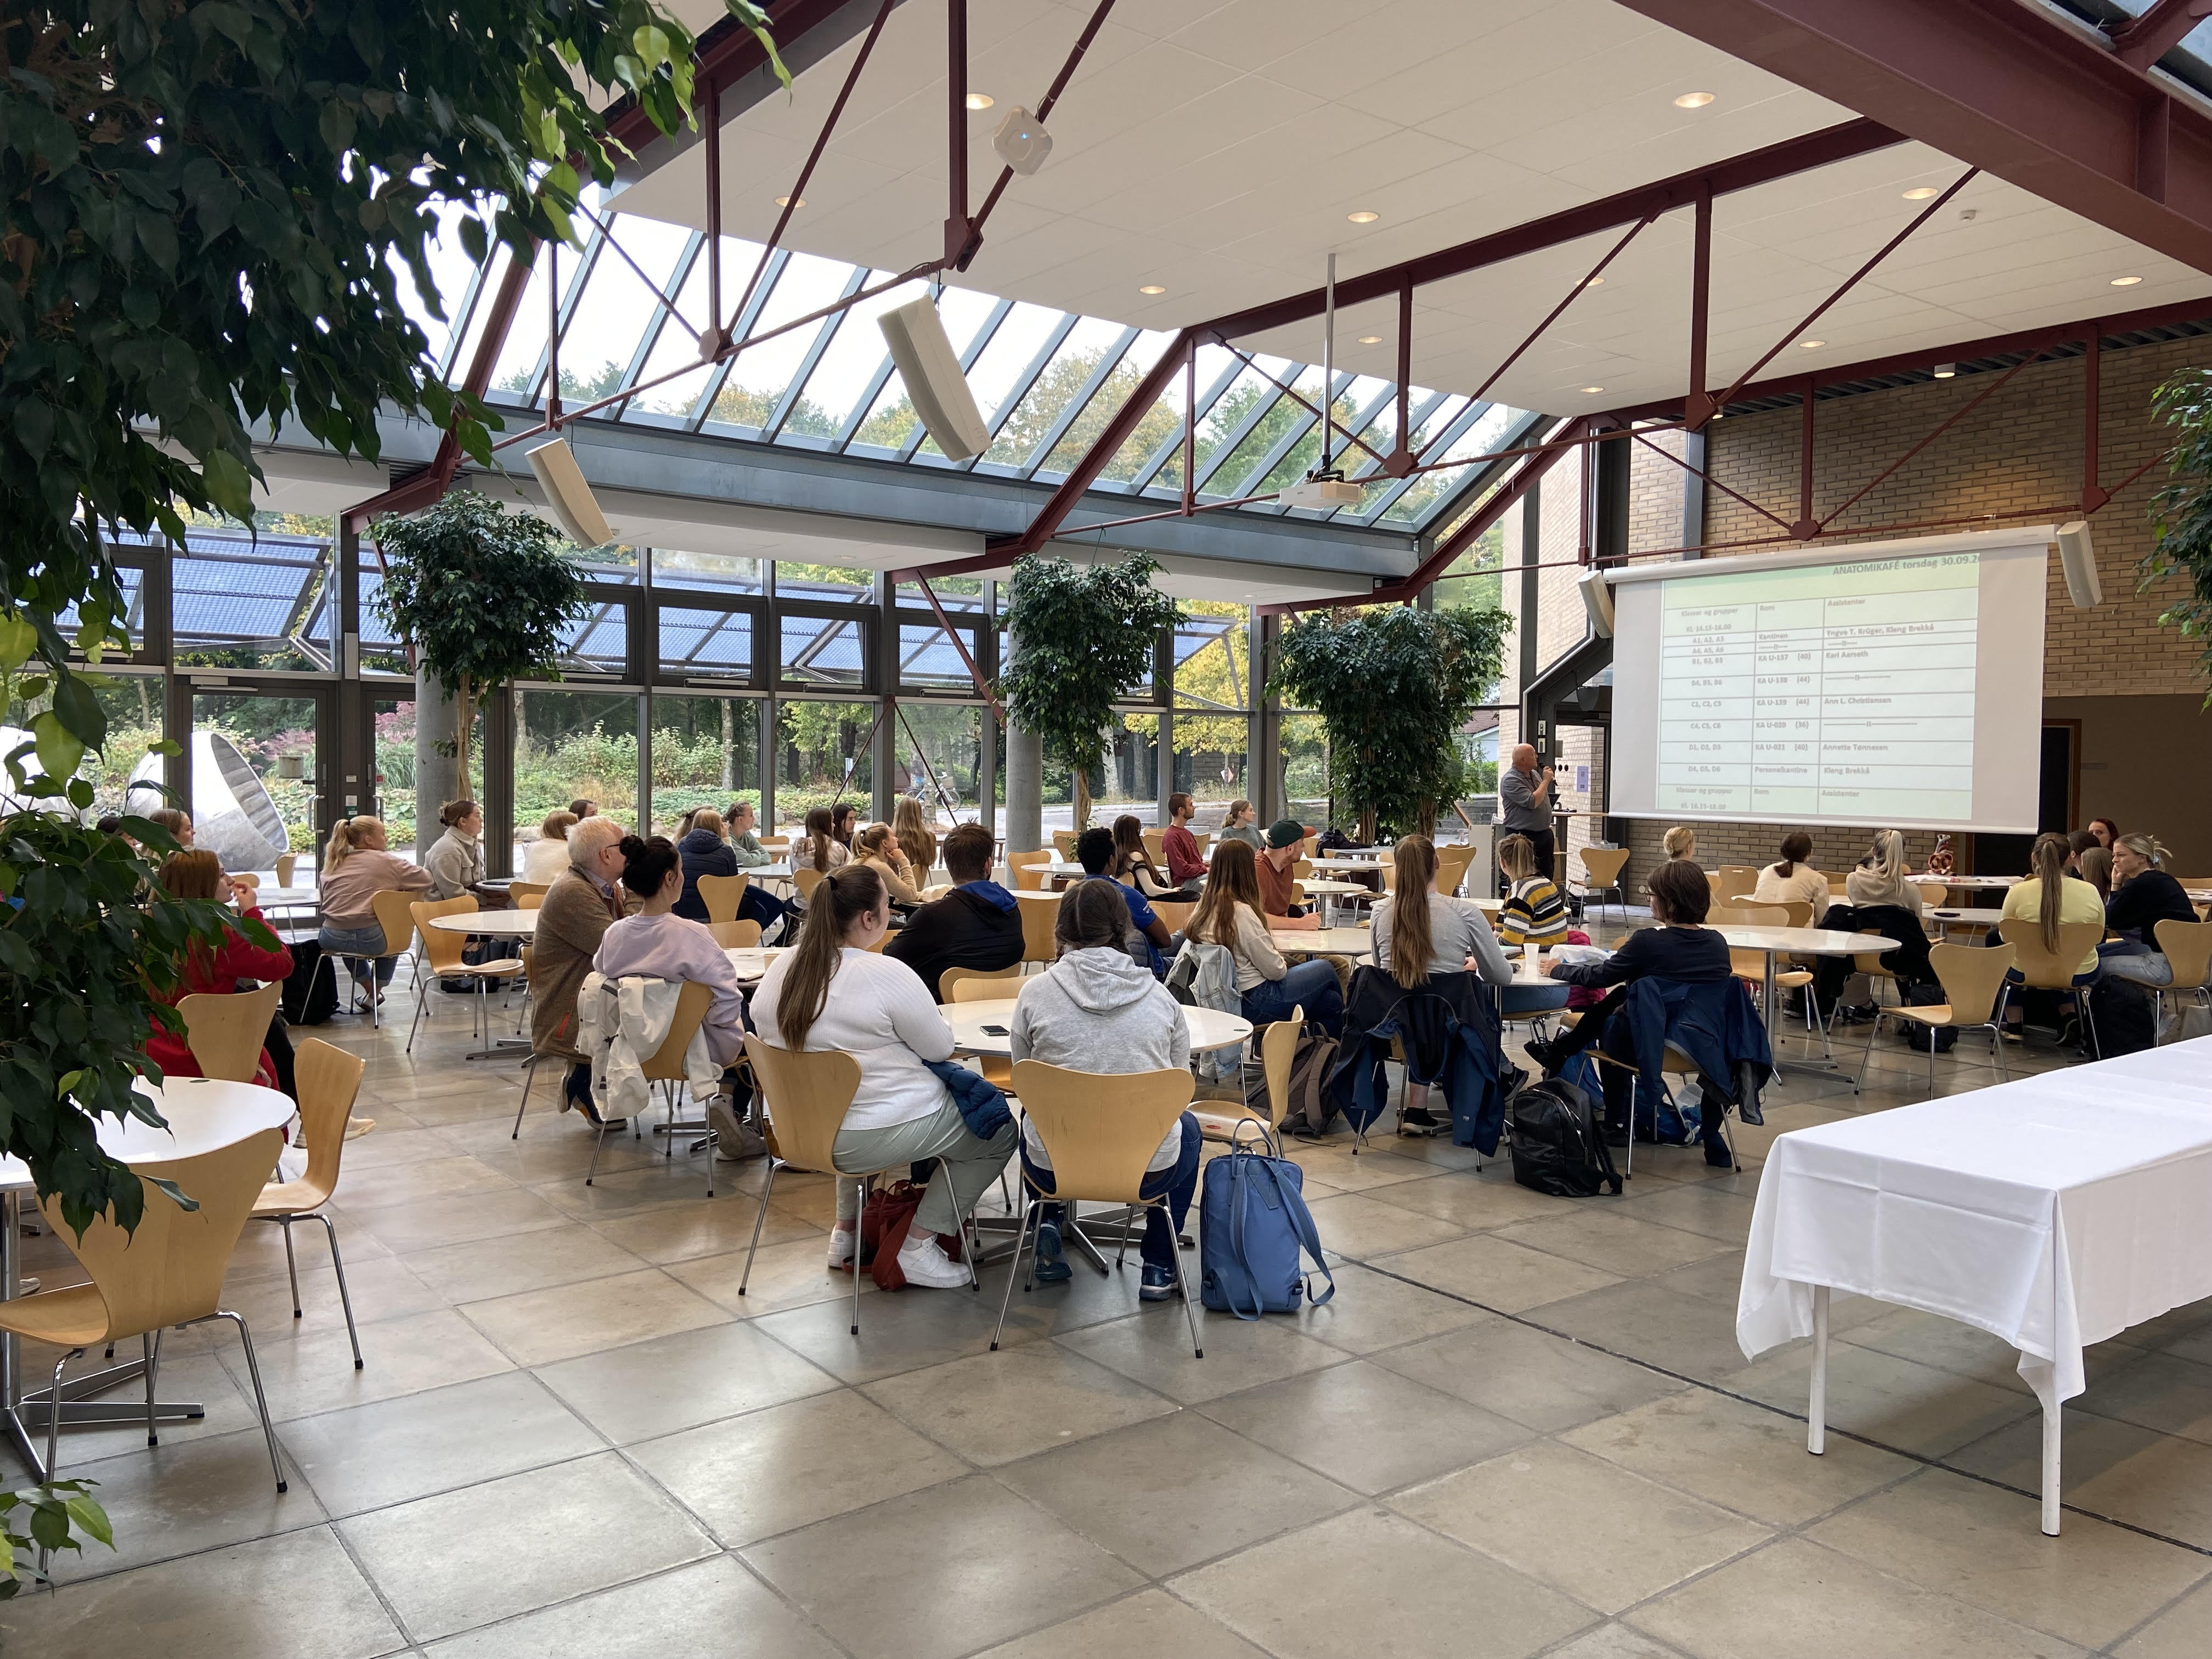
1535,913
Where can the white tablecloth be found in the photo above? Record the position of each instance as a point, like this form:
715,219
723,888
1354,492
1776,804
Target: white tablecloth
2054,1213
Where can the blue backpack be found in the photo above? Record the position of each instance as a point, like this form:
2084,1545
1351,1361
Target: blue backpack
1253,1222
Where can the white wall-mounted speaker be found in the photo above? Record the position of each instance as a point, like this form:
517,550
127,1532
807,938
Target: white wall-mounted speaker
1597,598
931,369
2077,557
567,495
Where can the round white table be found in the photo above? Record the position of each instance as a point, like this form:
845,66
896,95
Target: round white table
1209,1028
1799,941
1322,941
204,1116
750,964
282,898
488,923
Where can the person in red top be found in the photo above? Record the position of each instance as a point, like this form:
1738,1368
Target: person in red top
1185,867
217,971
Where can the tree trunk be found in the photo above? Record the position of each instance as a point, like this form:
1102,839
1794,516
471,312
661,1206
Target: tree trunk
464,719
435,709
729,744
1367,826
1082,798
1426,818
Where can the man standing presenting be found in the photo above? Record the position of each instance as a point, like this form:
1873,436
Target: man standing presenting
1527,797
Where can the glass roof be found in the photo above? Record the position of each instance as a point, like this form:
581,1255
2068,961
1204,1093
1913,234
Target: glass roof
635,301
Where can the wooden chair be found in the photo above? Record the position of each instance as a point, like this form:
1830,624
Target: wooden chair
2187,947
721,896
975,985
226,1031
1934,894
1063,842
1601,868
1837,886
442,952
1028,870
528,895
1204,840
777,844
1156,846
393,915
1452,864
1175,915
1100,1130
2054,970
1737,881
1673,1063
329,1080
286,863
529,1071
806,878
1302,867
245,880
735,935
168,1271
1279,1044
1039,914
1974,991
664,1065
803,1099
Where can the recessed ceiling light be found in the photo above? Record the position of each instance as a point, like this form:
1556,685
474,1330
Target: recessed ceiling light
1947,371
1364,216
1693,101
1371,339
1589,389
2125,281
1595,282
785,201
980,100
1152,288
1919,192
1811,345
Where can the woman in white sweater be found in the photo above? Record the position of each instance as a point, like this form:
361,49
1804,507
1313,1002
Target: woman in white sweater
835,992
1793,879
1229,915
1879,879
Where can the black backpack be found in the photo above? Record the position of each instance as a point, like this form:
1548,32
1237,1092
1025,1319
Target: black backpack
1310,1111
1559,1141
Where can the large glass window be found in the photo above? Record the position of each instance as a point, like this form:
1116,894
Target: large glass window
1305,768
571,744
928,658
940,760
824,649
700,644
722,572
599,641
822,755
1212,700
253,777
705,752
241,601
1130,780
133,706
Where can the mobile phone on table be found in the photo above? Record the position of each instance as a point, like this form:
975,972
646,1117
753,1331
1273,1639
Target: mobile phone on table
995,1030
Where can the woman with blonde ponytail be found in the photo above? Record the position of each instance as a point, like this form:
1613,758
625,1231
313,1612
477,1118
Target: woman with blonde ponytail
1419,932
356,866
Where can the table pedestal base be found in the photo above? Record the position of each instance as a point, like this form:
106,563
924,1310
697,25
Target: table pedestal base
25,1422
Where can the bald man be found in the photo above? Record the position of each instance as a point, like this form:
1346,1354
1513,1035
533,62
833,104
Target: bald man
1527,794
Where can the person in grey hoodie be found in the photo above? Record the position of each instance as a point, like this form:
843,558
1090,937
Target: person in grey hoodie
1097,1010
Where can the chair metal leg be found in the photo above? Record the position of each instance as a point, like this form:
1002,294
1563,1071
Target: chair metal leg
857,1216
1874,1030
422,993
2089,1019
54,1432
260,1400
345,1300
291,1266
760,1216
1189,1314
529,1078
1029,1212
599,1141
146,1348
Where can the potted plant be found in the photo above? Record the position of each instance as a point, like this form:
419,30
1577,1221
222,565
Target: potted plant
1082,639
2182,510
1392,685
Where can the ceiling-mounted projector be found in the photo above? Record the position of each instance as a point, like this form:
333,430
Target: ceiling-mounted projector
1324,492
1022,142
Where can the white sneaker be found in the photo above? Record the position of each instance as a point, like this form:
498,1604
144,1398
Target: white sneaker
926,1263
844,1244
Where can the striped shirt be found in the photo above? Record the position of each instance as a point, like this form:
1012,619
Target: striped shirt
1534,914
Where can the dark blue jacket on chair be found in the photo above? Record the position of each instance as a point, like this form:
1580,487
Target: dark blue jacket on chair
1716,1026
1449,1031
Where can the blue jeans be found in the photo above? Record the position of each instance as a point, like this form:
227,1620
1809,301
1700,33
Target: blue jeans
1179,1183
363,949
2127,959
1310,982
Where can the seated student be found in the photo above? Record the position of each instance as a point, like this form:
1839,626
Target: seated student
1681,842
1681,948
546,858
1793,879
1534,914
744,845
455,860
834,993
878,848
2050,898
1239,826
819,849
1094,851
571,919
1186,867
844,823
1284,846
584,807
215,971
2094,866
2145,896
1229,915
1446,935
1095,1010
1132,863
1881,876
915,839
2107,832
977,925
656,943
703,852
356,866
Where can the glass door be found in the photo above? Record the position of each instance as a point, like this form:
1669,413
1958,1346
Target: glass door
256,777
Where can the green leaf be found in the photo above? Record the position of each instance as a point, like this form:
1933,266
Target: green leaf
227,483
34,426
652,45
18,639
61,752
92,1520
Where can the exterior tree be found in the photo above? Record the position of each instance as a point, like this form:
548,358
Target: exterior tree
2183,510
1392,685
1083,637
484,593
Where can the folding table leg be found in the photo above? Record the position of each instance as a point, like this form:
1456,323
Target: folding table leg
2050,1426
1816,1409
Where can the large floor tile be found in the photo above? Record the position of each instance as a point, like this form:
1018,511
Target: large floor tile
400,1356
1739,1456
2109,1467
1154,1348
1544,1383
1498,1274
2159,1391
464,1558
793,1274
902,1331
1582,1525
1697,1207
647,1389
2184,1631
179,1499
539,1326
274,1598
994,1407
426,1224
1356,1225
381,1288
706,1226
1613,1241
790,1465
374,1188
1893,1401
1472,1202
200,1378
367,1457
1167,1495
1373,1310
1827,1606
1151,1622
710,1607
484,1268
1659,1326
950,1569
1295,1595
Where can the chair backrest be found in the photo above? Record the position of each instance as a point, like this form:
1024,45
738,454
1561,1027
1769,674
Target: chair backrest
2049,970
286,863
1838,885
1279,1046
1601,865
977,984
721,894
170,1270
1100,1128
1203,839
527,895
806,878
735,935
1156,846
1302,867
665,1063
2188,949
1029,870
329,1080
1971,975
1737,881
1389,869
1452,862
1063,842
245,880
1039,914
1175,915
395,913
807,1095
773,844
1801,912
442,948
226,1030
1747,963
1933,893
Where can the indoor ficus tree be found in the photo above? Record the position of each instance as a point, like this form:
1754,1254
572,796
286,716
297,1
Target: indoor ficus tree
1392,685
2182,510
1083,638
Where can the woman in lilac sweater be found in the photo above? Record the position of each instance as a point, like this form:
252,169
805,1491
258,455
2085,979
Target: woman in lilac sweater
659,944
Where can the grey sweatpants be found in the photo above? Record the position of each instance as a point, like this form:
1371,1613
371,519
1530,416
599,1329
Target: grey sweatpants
966,1166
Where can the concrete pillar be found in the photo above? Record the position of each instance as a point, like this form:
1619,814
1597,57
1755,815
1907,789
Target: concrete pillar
1025,831
436,767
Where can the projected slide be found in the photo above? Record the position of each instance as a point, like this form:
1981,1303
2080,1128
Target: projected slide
1838,692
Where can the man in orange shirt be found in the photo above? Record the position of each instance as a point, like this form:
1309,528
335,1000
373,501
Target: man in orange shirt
1286,841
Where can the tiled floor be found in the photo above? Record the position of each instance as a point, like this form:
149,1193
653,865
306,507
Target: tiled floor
1521,1427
